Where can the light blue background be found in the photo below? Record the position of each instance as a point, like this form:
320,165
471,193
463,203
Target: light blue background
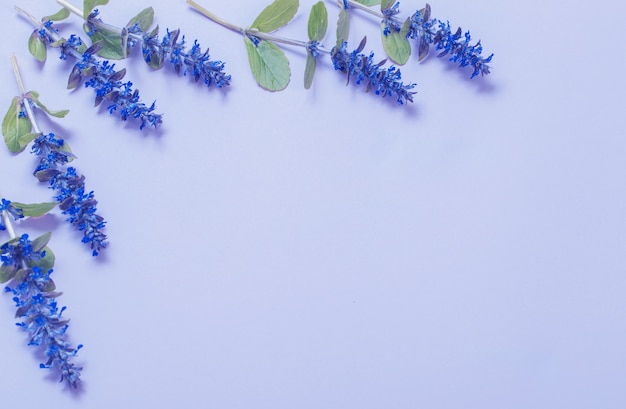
328,249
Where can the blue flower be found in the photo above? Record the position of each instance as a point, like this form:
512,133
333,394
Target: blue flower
196,62
74,201
6,206
384,82
391,24
457,44
102,77
35,299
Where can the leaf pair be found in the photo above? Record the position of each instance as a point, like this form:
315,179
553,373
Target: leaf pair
115,43
16,127
268,62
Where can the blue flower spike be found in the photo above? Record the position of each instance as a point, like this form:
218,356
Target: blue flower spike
26,266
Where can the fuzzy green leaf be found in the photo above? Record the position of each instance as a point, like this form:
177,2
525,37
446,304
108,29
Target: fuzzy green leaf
35,209
269,65
47,262
144,19
111,44
343,27
276,15
37,47
7,272
396,44
40,242
318,22
34,96
15,128
309,70
89,5
368,2
58,16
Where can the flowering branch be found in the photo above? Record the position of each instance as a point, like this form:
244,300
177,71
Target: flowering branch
427,31
27,265
155,51
74,201
271,68
96,74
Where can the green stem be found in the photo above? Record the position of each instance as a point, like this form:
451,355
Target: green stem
251,32
8,224
26,102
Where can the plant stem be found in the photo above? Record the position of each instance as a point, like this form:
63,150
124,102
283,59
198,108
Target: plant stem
8,224
26,102
251,32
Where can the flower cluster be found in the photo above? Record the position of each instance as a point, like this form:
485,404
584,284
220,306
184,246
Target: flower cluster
434,31
7,206
384,82
34,296
197,63
102,77
74,201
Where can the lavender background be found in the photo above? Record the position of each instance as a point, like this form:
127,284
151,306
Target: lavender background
328,249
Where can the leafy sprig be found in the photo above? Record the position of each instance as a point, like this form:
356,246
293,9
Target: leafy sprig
427,31
118,42
270,66
91,71
20,128
26,266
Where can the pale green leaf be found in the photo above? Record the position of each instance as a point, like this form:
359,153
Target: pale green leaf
386,4
276,15
89,5
318,22
396,45
7,272
35,209
269,65
144,19
111,44
309,70
34,96
40,242
15,127
45,263
343,27
368,2
37,47
58,16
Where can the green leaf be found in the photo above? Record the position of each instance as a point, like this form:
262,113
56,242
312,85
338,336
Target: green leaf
318,22
385,4
34,96
89,5
343,27
7,272
143,20
368,2
15,127
309,70
58,16
40,242
111,44
35,209
47,262
396,44
276,15
269,65
37,47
